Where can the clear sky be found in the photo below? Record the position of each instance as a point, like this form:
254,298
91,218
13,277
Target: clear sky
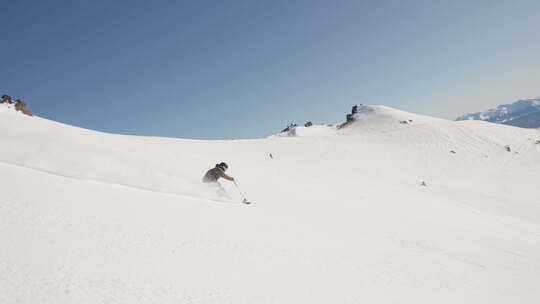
244,69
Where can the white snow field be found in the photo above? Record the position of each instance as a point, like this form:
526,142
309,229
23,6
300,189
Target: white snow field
338,216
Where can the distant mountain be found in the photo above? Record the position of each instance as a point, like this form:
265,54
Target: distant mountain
523,113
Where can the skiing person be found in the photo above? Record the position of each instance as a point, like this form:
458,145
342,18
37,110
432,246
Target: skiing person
215,173
212,176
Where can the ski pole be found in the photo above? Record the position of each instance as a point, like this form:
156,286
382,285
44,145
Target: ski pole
240,191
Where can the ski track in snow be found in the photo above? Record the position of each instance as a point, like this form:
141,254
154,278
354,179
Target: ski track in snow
339,215
180,196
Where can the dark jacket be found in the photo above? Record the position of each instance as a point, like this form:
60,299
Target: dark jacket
214,174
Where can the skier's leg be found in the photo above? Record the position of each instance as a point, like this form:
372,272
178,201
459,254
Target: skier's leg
221,191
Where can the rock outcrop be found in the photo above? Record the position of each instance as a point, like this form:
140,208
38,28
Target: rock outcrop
349,117
17,103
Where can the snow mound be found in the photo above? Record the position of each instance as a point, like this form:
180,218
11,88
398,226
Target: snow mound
313,131
383,118
368,118
7,108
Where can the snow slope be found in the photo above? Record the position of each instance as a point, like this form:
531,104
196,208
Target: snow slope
339,215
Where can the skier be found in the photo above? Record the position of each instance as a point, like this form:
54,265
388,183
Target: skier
215,173
211,177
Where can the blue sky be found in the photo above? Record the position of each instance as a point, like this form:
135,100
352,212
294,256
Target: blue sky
244,69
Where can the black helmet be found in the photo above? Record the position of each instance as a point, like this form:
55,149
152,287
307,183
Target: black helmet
223,166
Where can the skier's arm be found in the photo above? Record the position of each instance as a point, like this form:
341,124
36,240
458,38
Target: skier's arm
225,176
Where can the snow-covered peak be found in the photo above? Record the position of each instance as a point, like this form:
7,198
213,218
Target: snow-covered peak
522,113
381,119
378,115
363,117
